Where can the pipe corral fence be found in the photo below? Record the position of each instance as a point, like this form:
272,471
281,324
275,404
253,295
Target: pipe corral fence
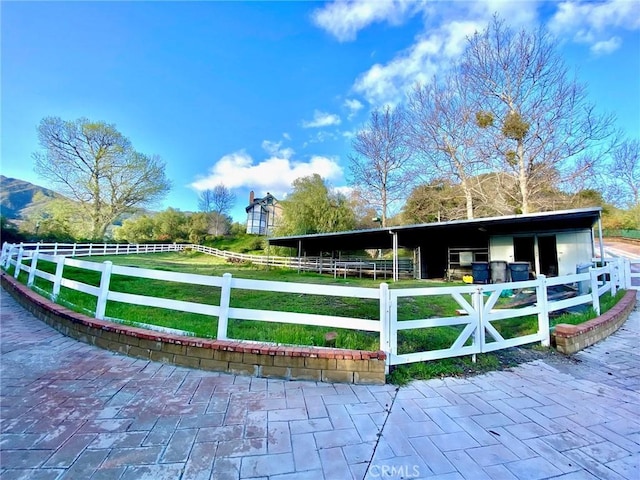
475,319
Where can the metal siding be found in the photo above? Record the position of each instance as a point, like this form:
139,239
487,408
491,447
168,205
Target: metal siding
574,248
501,248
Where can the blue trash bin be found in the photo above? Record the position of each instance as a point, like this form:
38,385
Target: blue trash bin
519,271
480,272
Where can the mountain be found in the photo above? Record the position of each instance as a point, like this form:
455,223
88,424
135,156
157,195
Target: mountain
17,195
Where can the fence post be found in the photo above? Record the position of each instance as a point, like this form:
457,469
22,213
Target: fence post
16,273
595,295
543,315
5,249
7,264
627,274
479,334
105,279
614,276
225,297
32,269
385,324
57,282
73,251
55,248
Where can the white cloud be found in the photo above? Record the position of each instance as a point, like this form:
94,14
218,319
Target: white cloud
274,174
344,19
354,106
604,47
274,149
592,23
447,26
344,190
321,119
432,54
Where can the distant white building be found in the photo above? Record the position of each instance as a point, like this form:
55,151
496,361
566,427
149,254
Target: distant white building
262,214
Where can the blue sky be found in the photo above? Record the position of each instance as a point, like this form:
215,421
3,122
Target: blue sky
256,94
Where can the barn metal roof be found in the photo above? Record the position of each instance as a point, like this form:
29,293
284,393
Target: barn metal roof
410,236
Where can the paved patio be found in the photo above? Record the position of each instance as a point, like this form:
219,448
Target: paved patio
69,410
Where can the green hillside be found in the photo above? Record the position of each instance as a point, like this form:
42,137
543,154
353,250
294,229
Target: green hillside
16,196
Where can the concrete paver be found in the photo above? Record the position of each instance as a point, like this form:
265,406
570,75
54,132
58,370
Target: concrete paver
70,410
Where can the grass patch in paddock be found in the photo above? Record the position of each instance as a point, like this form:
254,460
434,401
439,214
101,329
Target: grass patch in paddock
607,301
206,326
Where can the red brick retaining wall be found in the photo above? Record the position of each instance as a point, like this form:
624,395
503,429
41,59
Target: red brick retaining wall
572,338
256,359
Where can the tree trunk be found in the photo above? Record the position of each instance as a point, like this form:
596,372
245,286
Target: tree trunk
522,180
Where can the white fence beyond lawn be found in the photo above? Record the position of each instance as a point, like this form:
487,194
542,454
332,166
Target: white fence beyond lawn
477,302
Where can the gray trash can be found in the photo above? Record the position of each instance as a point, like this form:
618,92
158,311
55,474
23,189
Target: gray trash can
519,271
498,271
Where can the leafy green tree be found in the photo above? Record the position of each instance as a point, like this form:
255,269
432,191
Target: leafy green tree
9,232
438,201
198,227
313,208
55,220
170,226
96,166
136,230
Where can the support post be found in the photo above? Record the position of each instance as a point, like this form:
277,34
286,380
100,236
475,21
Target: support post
105,279
595,295
627,274
32,268
394,244
5,250
225,299
57,281
600,238
543,315
16,272
479,334
386,325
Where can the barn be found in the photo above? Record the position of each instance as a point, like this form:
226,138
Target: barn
549,243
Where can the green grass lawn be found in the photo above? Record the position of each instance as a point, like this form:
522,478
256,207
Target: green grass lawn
203,326
206,326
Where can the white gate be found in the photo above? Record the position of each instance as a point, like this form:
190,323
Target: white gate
475,319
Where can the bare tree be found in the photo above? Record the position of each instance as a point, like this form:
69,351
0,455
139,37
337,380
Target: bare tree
95,165
379,166
624,175
538,123
442,119
217,203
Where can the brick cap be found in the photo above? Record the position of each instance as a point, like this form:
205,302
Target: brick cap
622,308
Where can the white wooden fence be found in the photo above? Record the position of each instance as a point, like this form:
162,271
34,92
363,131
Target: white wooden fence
337,266
477,323
378,268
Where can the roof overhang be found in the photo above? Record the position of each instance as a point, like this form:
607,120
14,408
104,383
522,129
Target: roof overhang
411,236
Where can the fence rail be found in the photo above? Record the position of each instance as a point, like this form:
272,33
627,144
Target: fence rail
377,268
478,333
